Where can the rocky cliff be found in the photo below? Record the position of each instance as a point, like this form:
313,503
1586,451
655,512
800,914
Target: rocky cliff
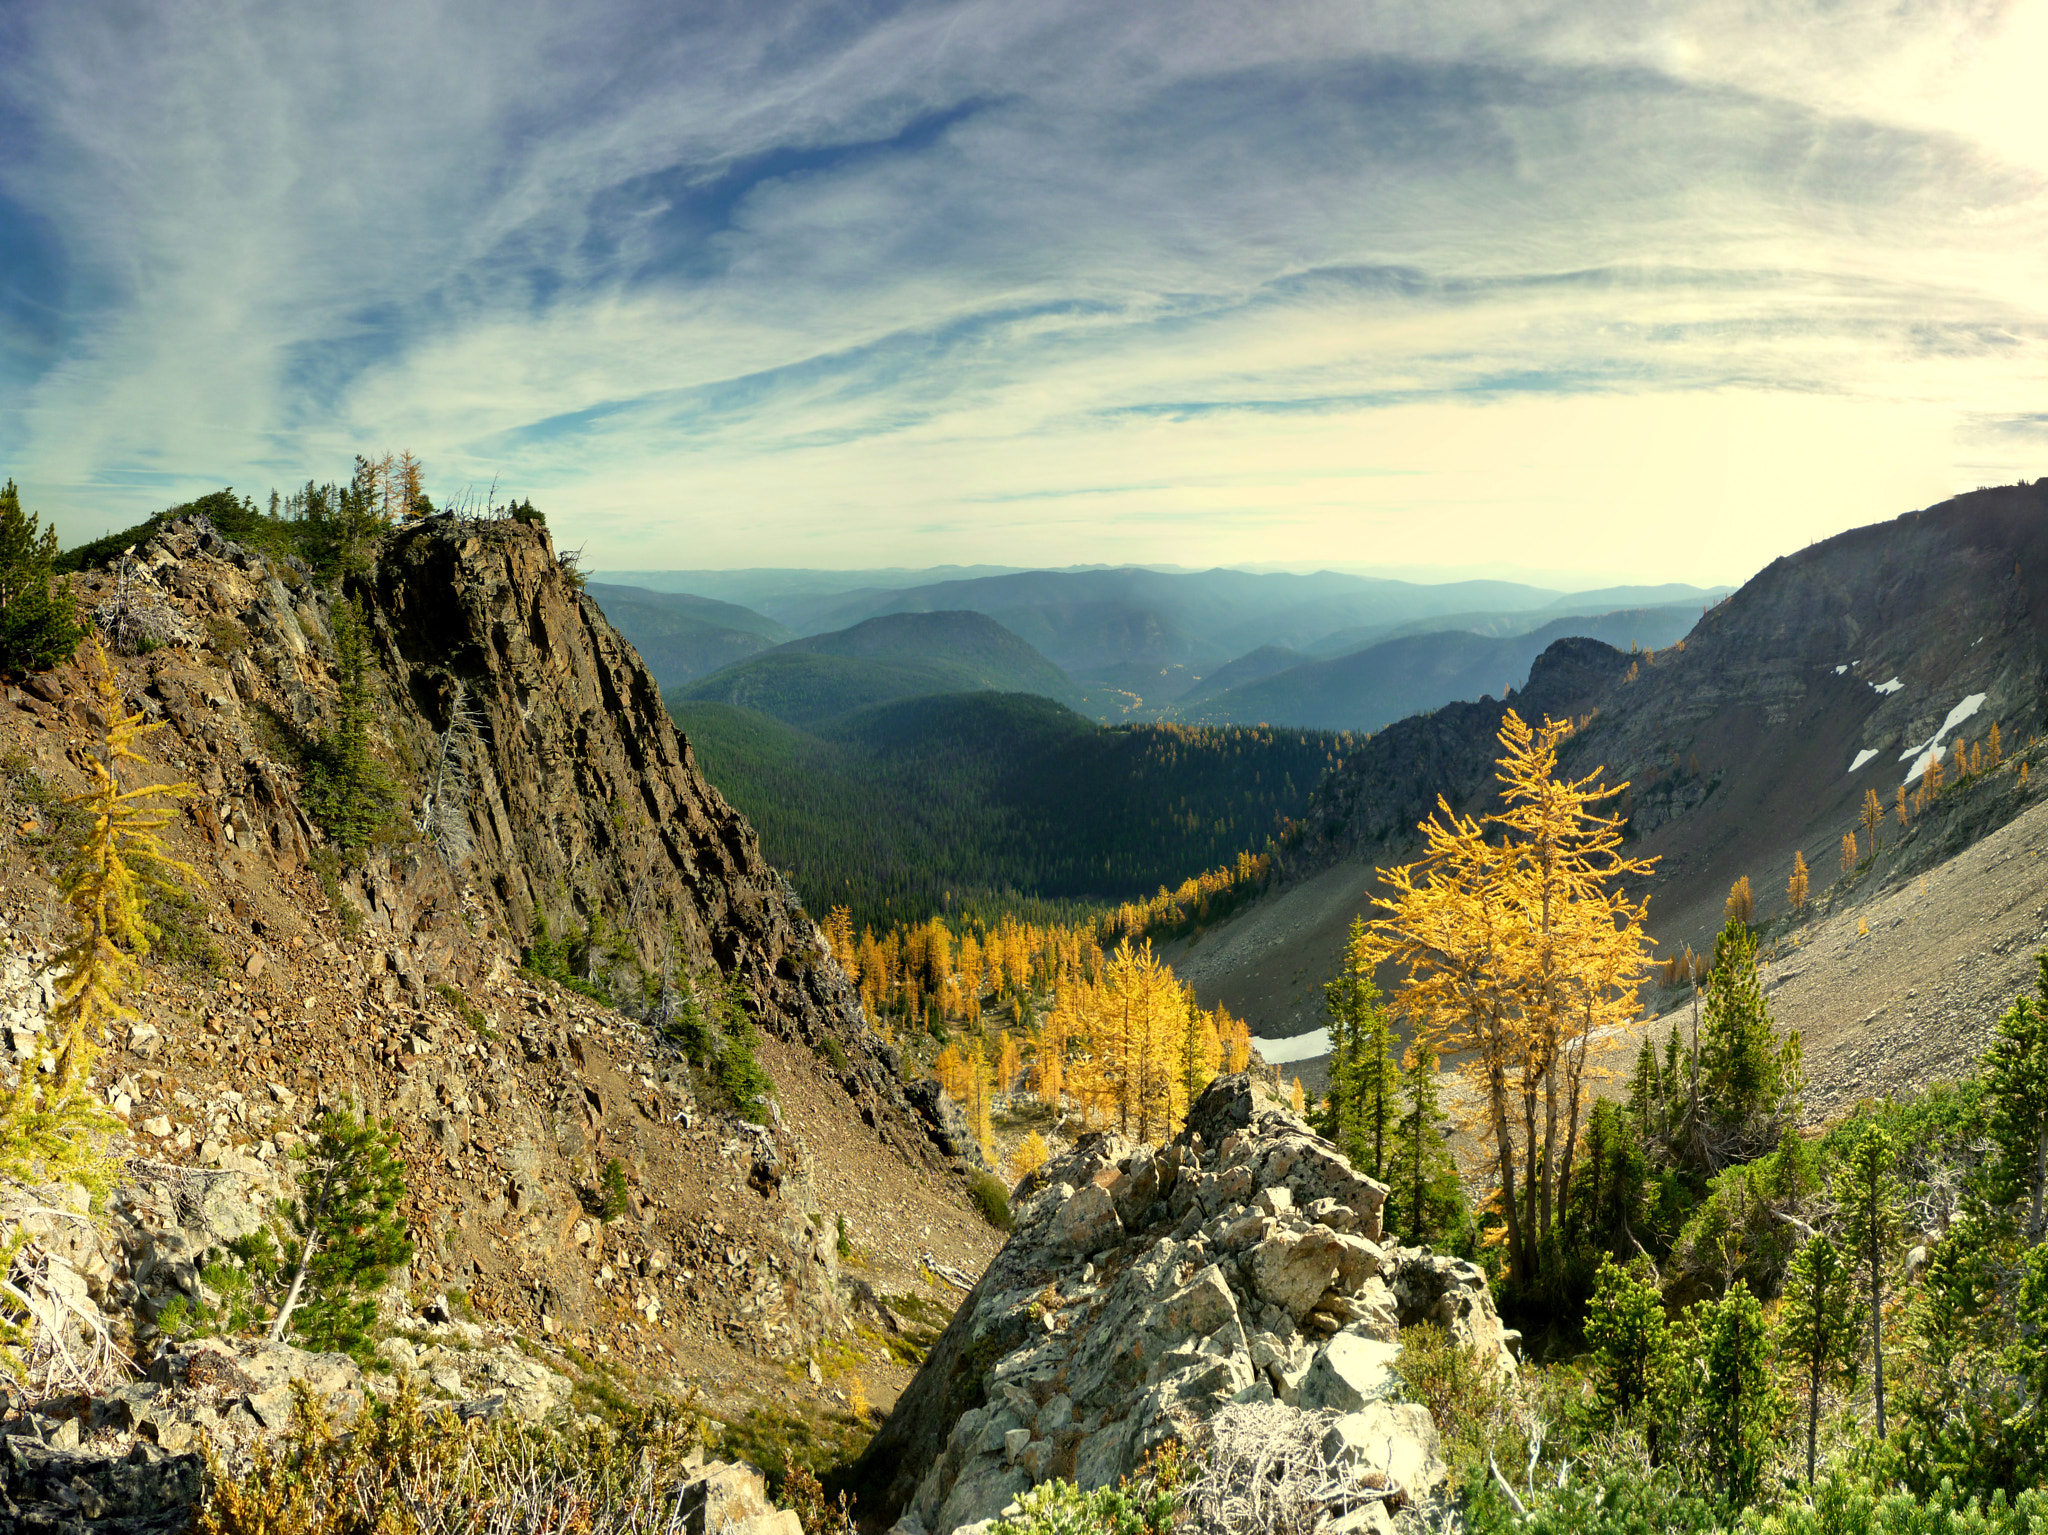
1149,1293
290,981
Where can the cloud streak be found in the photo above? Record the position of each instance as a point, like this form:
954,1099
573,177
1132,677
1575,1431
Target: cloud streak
1174,280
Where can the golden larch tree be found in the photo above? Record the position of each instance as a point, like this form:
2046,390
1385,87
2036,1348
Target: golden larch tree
1872,817
54,1128
1795,887
1741,903
1849,852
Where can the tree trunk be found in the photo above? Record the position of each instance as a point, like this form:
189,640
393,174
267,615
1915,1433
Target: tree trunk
1876,1309
1812,1415
1505,1147
313,1213
2040,1185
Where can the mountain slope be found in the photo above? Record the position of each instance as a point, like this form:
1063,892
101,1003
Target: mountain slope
821,677
1370,688
680,636
1826,676
927,804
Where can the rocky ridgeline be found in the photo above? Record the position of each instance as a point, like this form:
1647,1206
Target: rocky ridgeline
1146,1291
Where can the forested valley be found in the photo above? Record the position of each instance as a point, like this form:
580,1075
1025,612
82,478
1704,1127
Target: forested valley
982,803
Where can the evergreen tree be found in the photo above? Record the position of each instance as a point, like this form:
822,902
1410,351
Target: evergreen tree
1818,1326
1362,1103
349,1231
39,625
1426,1200
1738,1401
1750,1080
348,792
1869,1197
1630,1337
2016,1076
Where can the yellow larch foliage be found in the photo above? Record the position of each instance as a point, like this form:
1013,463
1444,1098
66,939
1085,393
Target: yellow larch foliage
953,1074
1517,953
839,934
1795,887
1872,816
1850,856
980,1106
1741,903
1900,808
54,1128
1297,1097
1031,1154
1007,1064
1994,747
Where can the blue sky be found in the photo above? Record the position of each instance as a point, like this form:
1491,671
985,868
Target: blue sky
1644,290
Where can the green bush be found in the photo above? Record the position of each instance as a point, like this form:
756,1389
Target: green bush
612,1200
992,1199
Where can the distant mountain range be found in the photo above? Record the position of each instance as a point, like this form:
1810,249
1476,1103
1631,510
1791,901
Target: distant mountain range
808,681
1322,650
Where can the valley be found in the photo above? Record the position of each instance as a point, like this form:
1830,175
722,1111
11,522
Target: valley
733,990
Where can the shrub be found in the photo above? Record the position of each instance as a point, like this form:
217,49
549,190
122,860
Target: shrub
410,1471
612,1200
991,1198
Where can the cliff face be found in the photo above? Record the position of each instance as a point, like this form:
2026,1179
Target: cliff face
1373,801
292,983
585,808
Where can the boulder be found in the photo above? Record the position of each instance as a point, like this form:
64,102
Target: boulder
1350,1372
730,1498
1237,1271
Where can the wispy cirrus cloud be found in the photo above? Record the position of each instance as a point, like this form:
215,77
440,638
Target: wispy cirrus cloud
1159,282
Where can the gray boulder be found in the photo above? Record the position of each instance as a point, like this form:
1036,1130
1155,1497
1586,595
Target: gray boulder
1150,1294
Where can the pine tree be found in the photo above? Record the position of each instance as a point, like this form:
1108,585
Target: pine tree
1750,1080
53,1129
1869,1197
349,1230
1795,887
348,792
1364,1082
39,626
1425,1197
2016,1080
1630,1338
1819,1326
1738,1398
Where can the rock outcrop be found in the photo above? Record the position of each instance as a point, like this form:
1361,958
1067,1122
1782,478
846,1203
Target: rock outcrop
1144,1291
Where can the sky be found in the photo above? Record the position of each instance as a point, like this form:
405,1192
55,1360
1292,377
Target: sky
1634,289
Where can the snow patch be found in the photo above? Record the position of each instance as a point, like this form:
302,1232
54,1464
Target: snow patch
1840,669
1862,757
1926,753
1887,687
1301,1047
